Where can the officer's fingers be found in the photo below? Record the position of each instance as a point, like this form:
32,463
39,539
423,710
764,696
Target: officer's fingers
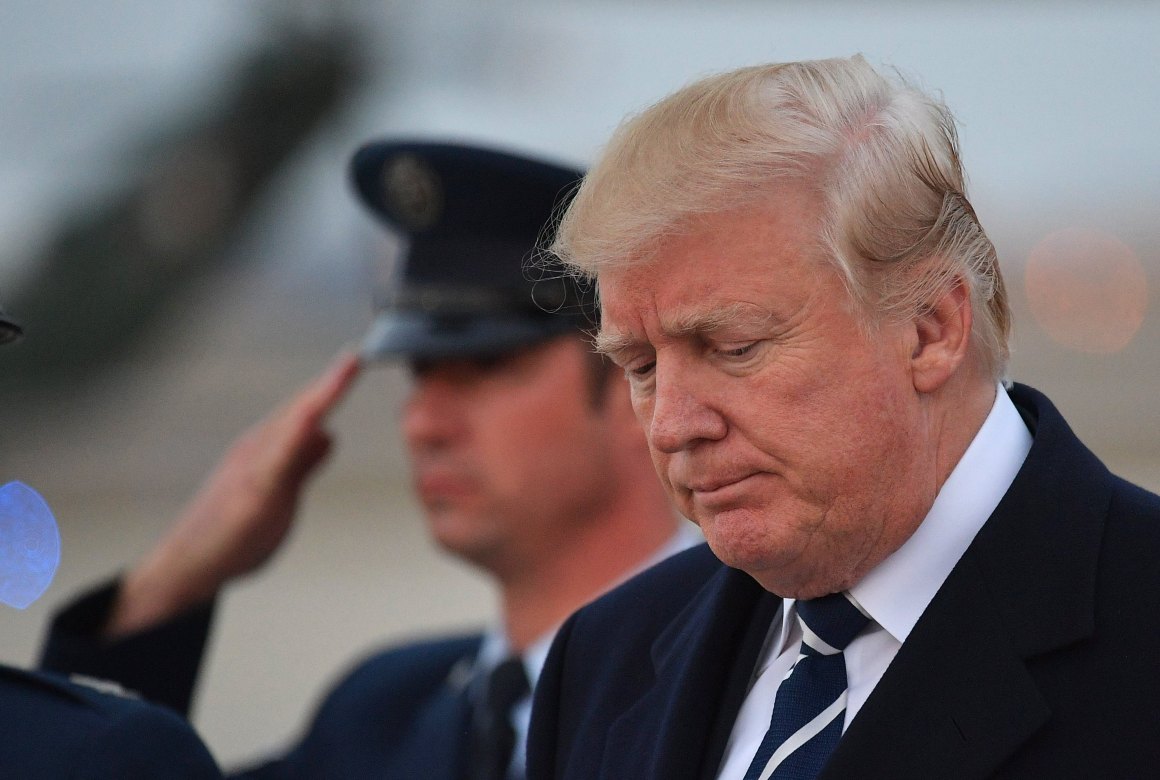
291,427
288,453
320,396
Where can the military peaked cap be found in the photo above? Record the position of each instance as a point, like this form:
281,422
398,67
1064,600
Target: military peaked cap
470,282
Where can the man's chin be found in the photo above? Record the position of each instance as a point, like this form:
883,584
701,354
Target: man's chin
740,538
737,557
462,537
769,564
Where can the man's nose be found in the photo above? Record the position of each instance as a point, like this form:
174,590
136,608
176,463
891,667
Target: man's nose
429,415
682,412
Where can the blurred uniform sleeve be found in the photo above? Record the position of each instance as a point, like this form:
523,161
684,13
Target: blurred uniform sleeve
161,664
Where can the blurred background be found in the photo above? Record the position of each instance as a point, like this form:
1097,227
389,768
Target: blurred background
178,238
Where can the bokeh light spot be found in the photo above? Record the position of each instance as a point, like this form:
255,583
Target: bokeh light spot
29,545
1087,290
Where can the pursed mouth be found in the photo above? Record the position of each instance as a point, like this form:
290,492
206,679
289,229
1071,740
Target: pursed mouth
716,485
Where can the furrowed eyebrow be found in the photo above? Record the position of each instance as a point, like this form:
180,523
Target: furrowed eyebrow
610,343
695,323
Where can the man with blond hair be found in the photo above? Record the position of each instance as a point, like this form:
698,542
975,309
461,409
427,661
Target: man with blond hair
914,568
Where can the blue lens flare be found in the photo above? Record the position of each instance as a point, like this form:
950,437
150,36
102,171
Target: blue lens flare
29,545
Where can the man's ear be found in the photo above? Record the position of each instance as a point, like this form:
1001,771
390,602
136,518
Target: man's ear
943,330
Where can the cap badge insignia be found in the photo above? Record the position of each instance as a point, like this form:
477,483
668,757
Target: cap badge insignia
413,192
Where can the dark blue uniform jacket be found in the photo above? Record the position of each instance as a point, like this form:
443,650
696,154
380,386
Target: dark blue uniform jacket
53,729
400,715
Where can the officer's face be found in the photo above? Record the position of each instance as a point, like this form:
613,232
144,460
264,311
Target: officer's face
511,456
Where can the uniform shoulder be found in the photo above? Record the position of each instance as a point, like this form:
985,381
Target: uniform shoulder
415,658
378,700
54,691
402,674
56,727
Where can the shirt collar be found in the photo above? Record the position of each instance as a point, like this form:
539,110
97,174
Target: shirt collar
897,591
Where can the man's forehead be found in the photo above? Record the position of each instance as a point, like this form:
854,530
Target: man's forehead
692,318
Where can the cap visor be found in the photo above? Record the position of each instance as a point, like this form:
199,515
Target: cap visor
418,335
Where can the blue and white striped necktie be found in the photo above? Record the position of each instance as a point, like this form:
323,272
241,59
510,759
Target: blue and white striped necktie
811,700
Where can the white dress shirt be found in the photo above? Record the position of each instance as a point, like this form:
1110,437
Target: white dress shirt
897,591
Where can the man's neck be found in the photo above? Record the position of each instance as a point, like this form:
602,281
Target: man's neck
537,599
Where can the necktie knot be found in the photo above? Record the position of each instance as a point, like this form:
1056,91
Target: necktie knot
830,623
493,734
506,685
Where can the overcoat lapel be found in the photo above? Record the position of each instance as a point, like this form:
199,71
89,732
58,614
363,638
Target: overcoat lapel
954,703
666,733
960,696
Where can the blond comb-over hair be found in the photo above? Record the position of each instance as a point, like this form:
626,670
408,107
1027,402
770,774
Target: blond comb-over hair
881,156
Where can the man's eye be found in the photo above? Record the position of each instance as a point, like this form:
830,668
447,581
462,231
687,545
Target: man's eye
736,352
642,370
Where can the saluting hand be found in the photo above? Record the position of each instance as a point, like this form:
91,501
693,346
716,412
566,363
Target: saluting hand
241,513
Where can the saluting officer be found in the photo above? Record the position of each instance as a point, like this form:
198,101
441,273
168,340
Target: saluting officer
525,456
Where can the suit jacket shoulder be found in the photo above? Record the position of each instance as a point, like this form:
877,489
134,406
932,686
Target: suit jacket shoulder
1034,659
55,728
635,682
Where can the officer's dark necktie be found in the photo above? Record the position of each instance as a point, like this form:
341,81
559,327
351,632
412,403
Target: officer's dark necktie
811,701
492,735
